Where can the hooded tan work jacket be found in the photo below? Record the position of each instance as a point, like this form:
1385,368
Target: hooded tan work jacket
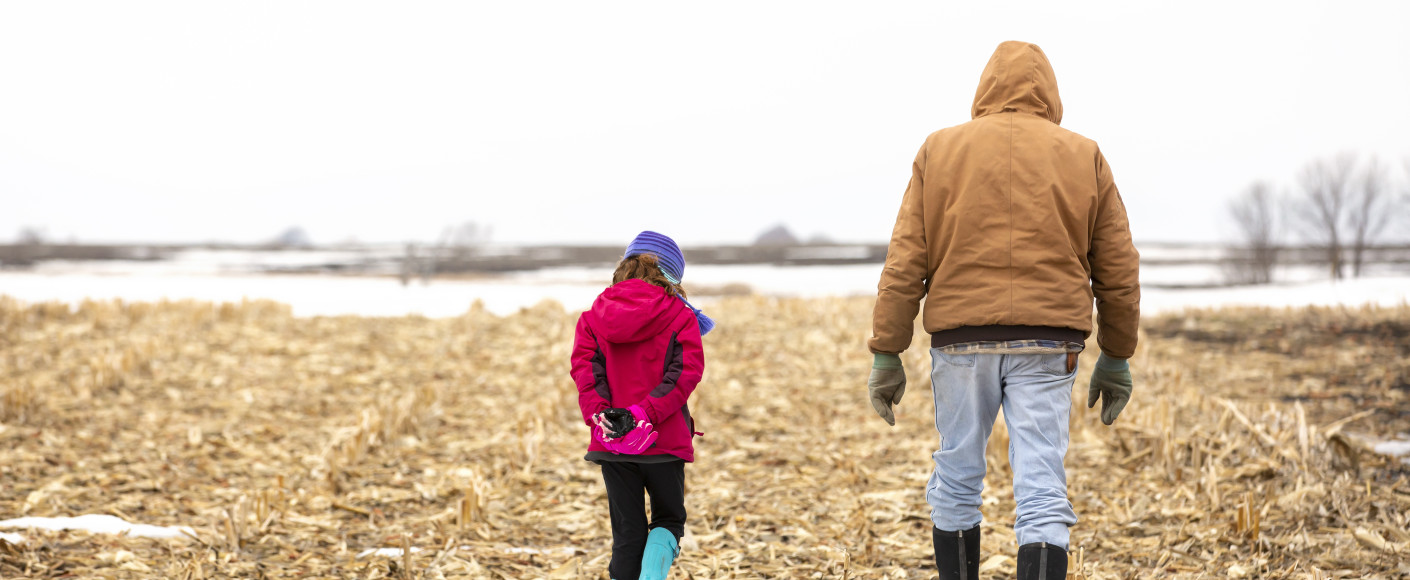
1010,226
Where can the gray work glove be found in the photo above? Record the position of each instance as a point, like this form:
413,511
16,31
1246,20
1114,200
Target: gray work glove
1111,381
886,385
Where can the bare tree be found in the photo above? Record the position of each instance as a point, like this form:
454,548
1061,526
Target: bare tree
1369,212
1326,188
1400,200
462,240
31,236
1405,185
1255,214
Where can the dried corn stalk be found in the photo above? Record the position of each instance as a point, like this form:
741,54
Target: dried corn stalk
293,445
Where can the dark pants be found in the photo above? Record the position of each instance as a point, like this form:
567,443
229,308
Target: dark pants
665,482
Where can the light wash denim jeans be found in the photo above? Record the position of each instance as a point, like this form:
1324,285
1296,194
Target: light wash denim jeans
1035,391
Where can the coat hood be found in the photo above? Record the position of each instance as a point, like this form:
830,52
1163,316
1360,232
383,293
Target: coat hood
1018,78
633,311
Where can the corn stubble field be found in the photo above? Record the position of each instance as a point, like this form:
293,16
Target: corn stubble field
291,445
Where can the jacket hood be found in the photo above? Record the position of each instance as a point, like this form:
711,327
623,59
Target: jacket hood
1018,78
633,311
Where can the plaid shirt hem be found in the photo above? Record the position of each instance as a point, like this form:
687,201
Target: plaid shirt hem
1014,347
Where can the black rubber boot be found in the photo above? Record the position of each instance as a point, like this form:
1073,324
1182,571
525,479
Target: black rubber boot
957,553
1041,561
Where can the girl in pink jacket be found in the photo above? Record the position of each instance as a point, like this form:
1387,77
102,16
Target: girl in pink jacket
636,359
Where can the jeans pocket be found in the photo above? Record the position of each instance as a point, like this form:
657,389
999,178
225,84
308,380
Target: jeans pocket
1056,364
954,360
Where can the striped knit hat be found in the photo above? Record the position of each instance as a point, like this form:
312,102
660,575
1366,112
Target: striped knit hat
672,264
667,253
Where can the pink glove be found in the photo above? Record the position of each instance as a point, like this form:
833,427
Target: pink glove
639,439
612,445
643,436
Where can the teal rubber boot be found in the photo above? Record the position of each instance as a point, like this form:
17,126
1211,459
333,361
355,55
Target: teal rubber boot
661,551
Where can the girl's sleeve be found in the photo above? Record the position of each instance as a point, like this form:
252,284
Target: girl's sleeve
589,372
684,367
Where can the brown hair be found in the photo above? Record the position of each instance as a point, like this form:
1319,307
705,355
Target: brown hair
645,267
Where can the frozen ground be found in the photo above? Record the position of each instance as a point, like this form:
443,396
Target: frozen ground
1383,291
229,276
210,262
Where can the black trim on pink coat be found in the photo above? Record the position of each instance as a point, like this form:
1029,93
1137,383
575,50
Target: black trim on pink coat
599,373
675,363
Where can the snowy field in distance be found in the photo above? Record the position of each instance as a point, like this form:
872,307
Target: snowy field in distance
308,295
227,276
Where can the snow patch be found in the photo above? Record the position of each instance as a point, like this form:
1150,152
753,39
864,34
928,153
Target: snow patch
99,524
1393,448
385,552
12,538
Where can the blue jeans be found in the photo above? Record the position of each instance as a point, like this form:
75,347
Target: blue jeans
1035,391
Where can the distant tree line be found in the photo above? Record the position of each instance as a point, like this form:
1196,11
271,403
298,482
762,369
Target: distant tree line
456,244
1339,207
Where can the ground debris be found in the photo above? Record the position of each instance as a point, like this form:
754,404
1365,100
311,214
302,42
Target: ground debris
452,448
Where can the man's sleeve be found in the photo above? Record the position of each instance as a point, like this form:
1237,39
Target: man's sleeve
902,284
589,372
1115,270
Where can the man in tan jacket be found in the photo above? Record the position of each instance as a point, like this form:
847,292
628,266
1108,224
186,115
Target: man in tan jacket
1010,228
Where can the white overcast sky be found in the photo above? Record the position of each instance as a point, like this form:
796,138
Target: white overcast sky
589,121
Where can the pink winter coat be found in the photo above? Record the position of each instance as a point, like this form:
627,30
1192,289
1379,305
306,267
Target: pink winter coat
639,346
